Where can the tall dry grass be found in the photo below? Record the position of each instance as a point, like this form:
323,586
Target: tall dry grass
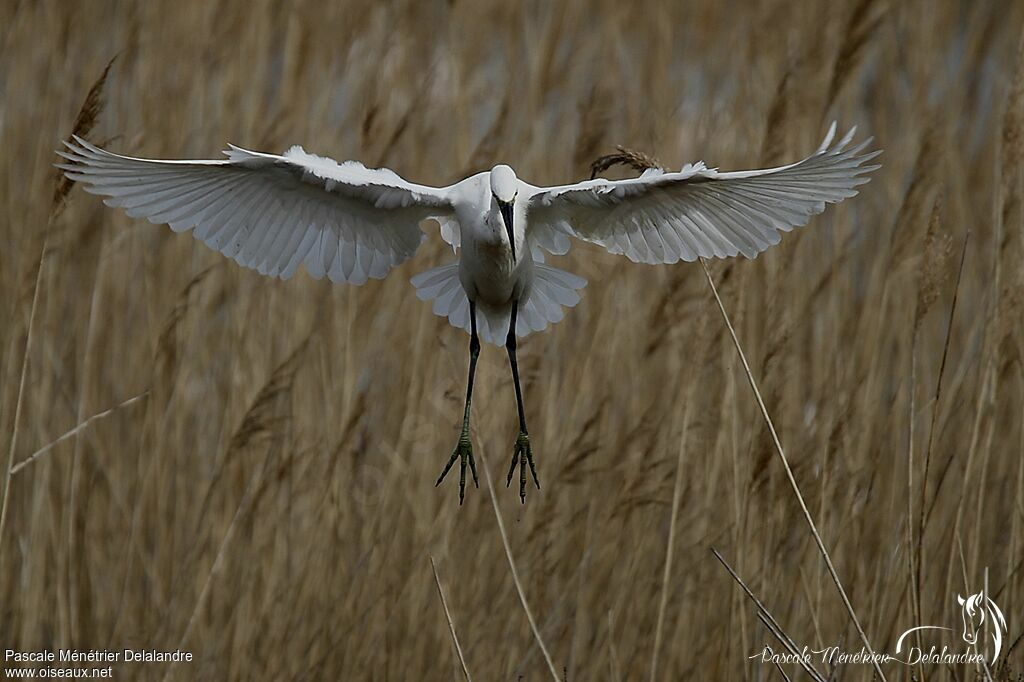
257,484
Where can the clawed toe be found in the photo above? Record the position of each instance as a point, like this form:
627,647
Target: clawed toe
464,453
521,457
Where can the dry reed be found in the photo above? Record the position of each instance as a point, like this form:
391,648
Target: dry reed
277,528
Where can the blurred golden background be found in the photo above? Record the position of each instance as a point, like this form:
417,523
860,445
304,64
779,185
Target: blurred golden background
262,494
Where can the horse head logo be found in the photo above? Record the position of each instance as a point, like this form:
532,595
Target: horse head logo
978,610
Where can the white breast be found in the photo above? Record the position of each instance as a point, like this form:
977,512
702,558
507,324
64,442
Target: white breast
486,268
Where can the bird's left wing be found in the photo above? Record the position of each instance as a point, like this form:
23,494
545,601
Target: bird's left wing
699,212
271,213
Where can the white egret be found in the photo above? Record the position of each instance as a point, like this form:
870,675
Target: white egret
349,222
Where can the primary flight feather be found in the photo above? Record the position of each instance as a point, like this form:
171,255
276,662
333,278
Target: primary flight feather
275,213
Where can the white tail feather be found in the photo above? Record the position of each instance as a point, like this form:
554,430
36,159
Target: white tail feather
552,291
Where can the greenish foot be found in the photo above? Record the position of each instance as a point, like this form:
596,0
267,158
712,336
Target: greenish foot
521,456
464,453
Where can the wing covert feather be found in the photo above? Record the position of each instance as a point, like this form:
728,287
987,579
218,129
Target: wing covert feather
699,212
271,213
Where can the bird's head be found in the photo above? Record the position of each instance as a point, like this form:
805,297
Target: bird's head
505,187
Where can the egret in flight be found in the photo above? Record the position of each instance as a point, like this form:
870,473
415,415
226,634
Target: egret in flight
348,222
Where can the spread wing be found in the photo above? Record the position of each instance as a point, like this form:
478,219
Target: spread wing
268,212
699,212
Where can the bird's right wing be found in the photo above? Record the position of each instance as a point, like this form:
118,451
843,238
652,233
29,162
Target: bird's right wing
272,213
700,212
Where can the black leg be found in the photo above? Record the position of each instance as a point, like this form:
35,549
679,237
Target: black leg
464,448
523,453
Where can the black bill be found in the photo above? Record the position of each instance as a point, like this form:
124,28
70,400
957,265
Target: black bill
507,213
